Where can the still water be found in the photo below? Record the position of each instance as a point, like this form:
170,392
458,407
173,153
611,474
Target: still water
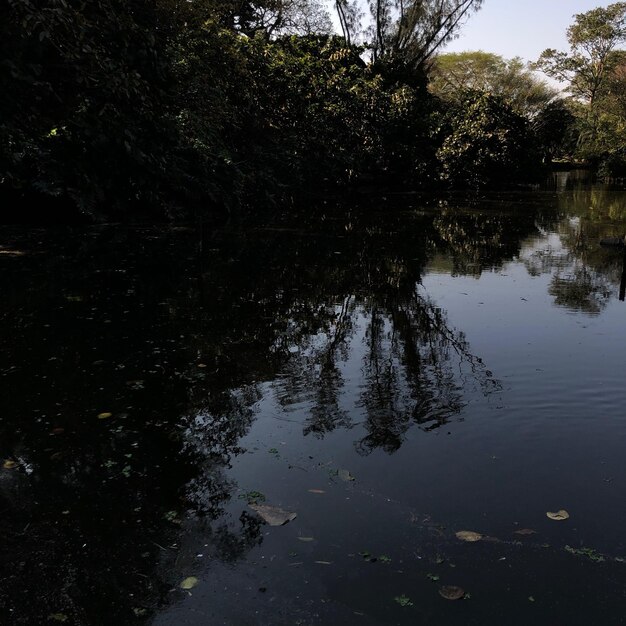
392,375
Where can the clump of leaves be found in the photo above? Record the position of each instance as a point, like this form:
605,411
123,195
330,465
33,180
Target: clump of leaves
252,496
403,600
590,553
172,517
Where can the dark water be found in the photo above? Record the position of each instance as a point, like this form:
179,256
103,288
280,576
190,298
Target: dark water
462,361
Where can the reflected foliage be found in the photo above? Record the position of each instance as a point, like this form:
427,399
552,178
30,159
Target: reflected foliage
180,338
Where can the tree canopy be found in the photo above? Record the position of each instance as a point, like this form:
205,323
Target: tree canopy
455,72
593,71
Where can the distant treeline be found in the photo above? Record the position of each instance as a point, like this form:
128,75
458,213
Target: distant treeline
166,108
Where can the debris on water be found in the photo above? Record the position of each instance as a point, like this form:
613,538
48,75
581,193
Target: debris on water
58,617
9,464
317,491
432,577
306,539
450,592
345,475
590,553
468,535
273,515
525,532
403,600
324,562
189,583
252,496
105,415
558,516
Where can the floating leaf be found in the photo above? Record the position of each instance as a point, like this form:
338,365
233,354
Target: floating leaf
559,516
468,535
189,583
525,532
306,539
345,475
324,562
58,617
316,491
273,515
9,464
450,592
403,601
105,415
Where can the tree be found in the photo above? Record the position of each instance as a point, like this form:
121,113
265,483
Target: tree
452,74
592,39
555,129
591,70
406,33
486,143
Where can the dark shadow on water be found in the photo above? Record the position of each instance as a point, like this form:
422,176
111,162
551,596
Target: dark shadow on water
177,339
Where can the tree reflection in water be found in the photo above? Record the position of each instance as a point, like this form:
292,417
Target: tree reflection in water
180,347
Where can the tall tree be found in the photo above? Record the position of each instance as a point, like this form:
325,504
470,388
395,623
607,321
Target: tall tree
452,74
407,33
593,37
590,70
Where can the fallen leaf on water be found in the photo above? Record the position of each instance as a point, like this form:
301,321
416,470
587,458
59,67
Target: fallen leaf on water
324,562
403,600
189,583
104,416
58,617
306,539
316,491
273,515
9,464
468,535
450,592
559,516
345,475
525,532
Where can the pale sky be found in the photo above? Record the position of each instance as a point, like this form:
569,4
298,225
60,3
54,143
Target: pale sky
521,28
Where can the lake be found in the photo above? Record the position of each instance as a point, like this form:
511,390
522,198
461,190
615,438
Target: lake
391,373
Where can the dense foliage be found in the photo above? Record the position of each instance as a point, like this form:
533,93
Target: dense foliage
169,108
594,73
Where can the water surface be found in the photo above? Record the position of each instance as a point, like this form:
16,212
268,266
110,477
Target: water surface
391,374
